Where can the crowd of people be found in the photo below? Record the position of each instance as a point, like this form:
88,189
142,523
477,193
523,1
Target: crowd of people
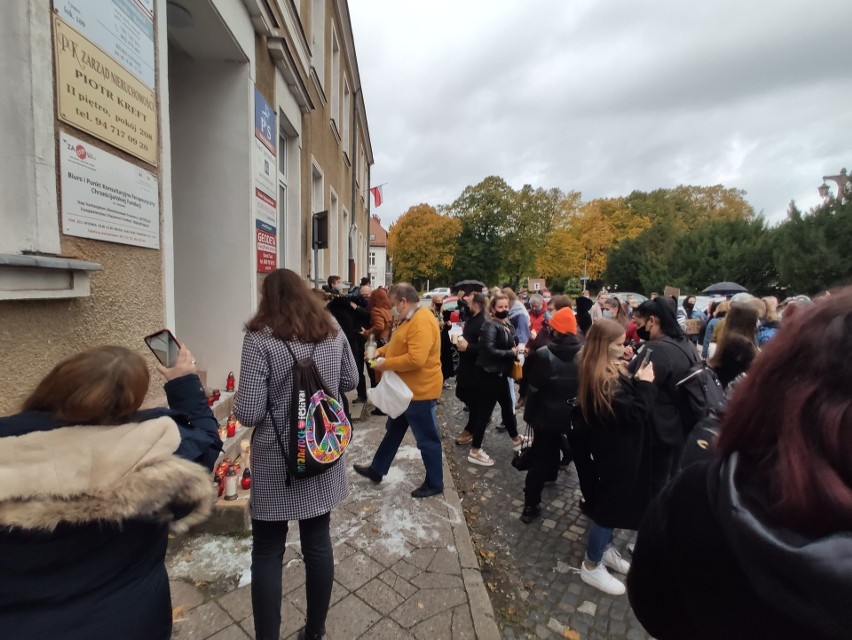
751,537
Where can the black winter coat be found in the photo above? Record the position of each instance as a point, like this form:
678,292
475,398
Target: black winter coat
466,375
496,342
622,457
709,563
84,525
672,360
551,375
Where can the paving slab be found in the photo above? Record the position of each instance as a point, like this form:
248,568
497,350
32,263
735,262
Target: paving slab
404,568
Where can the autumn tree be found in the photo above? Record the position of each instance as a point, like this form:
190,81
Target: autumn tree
422,243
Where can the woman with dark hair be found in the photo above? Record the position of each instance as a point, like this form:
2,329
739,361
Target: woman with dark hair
758,544
443,319
290,323
381,322
497,355
673,356
584,306
467,377
613,411
737,347
91,489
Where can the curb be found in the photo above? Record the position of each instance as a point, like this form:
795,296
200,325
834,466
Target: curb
481,611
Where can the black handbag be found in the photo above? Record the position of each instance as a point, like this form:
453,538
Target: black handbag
522,460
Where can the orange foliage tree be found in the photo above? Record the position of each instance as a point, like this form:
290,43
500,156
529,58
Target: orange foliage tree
422,243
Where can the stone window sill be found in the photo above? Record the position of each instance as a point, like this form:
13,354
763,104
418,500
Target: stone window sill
26,277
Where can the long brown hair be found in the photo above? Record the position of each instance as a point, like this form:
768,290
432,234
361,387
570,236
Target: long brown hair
740,321
289,309
790,420
598,373
379,299
105,385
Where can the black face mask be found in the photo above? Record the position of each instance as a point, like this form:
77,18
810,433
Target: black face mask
643,333
438,306
688,307
501,315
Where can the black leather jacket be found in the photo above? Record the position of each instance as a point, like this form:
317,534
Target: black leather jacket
495,347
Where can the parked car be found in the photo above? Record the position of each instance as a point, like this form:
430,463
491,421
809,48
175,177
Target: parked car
622,295
443,291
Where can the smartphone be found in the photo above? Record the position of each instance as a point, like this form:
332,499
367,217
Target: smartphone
646,357
164,346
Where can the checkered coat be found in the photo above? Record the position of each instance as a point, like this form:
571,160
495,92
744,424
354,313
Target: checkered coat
266,385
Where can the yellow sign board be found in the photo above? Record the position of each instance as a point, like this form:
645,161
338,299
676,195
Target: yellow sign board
96,94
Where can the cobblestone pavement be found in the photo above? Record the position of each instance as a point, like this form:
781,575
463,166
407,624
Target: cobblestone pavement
404,568
529,569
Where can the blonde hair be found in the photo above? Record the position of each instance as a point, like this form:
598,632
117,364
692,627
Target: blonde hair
493,302
598,372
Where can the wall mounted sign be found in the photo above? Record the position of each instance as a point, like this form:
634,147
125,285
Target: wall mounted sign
107,198
96,94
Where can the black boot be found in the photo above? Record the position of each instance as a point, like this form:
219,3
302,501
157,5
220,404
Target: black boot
530,513
303,635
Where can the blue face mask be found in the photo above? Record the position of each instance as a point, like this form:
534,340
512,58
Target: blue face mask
607,314
548,315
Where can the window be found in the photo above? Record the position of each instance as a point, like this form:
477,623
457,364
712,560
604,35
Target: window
334,233
283,149
372,237
345,116
372,258
318,38
335,80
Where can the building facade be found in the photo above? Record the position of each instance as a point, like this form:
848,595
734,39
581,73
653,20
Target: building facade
167,156
381,270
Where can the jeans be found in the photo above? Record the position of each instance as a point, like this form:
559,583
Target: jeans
599,539
267,559
420,416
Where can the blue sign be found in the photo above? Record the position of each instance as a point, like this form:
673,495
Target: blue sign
264,121
263,226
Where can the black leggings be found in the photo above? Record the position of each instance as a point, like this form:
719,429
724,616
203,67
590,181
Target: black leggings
494,389
267,561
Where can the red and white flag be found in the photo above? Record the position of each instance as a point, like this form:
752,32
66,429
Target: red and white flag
377,196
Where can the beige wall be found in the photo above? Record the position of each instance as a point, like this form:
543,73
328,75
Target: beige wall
125,305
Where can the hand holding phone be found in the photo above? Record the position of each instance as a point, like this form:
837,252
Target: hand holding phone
175,360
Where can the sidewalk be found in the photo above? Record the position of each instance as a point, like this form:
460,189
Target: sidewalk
404,568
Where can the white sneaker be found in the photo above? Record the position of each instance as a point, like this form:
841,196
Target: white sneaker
600,578
612,558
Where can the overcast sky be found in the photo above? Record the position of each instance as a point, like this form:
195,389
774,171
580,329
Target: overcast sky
605,96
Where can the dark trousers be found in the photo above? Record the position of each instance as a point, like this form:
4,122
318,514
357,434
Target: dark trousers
546,451
494,390
267,561
359,345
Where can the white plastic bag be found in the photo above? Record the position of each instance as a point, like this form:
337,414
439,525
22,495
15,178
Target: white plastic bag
391,395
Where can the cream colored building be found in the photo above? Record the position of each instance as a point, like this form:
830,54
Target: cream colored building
153,176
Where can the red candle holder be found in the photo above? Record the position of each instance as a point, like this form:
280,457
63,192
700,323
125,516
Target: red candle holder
230,382
210,401
216,394
231,426
245,481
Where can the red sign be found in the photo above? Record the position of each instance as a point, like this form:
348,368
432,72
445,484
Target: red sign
267,251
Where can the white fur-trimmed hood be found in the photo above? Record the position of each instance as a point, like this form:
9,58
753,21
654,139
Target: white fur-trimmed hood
85,474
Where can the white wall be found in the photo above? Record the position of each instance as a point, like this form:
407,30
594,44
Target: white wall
290,235
215,262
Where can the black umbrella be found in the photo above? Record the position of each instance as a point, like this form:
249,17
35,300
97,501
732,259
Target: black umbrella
725,288
468,285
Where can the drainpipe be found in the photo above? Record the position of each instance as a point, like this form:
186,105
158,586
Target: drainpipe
354,156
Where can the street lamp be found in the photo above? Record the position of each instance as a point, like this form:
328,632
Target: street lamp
843,185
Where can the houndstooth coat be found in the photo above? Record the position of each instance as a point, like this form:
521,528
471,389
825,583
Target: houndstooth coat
266,384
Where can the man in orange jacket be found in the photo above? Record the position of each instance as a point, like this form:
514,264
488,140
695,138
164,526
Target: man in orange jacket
414,353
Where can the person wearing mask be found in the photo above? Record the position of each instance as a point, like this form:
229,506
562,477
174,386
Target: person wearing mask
537,314
497,355
689,312
613,410
289,324
673,356
92,488
519,318
468,379
414,354
447,368
551,382
334,286
757,543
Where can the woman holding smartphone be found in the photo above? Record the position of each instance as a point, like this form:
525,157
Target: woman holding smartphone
91,488
289,322
613,415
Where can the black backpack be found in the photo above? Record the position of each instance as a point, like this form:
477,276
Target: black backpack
700,393
319,428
